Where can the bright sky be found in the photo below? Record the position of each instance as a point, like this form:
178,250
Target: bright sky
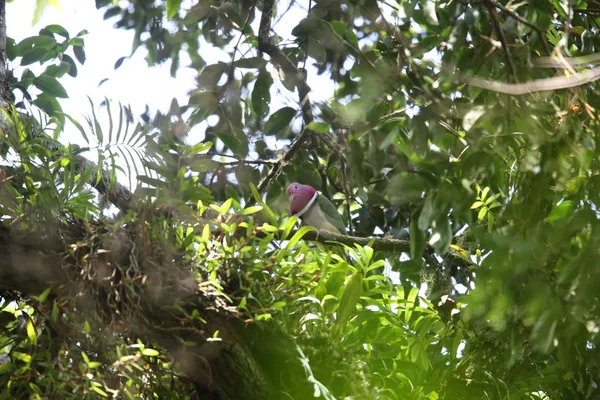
134,83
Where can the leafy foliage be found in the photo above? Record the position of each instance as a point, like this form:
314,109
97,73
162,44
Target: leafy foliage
494,294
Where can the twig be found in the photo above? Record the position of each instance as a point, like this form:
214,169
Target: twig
591,11
322,172
567,30
198,157
347,194
212,178
298,77
393,7
235,48
502,38
575,62
283,160
522,20
404,52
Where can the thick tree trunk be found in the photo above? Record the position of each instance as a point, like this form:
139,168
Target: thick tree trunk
4,88
250,360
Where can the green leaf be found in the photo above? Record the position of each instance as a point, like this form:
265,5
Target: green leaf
350,297
291,223
198,13
319,127
484,193
251,210
57,29
560,211
443,231
223,208
426,214
492,198
99,391
477,204
150,352
261,94
50,86
42,297
210,76
308,174
266,209
41,42
78,126
173,8
49,104
6,368
77,42
417,240
482,213
410,303
298,235
26,358
316,50
73,70
57,71
238,144
34,55
279,121
40,6
119,62
79,53
198,148
207,101
152,182
31,334
11,48
339,27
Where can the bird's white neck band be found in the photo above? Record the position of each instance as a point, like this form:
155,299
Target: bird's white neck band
307,206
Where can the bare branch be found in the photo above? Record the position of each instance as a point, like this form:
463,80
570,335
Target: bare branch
298,76
118,194
538,85
502,38
574,62
266,45
523,21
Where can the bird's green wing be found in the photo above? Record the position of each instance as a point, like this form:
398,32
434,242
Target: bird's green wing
331,213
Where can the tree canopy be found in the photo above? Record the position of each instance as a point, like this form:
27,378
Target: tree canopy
459,145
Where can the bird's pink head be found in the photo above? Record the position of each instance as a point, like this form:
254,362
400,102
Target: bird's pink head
300,196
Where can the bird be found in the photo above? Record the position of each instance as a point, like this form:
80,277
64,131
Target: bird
314,209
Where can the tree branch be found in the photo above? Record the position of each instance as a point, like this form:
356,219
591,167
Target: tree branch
538,85
32,261
4,85
573,62
118,194
265,44
523,21
377,243
298,76
502,37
